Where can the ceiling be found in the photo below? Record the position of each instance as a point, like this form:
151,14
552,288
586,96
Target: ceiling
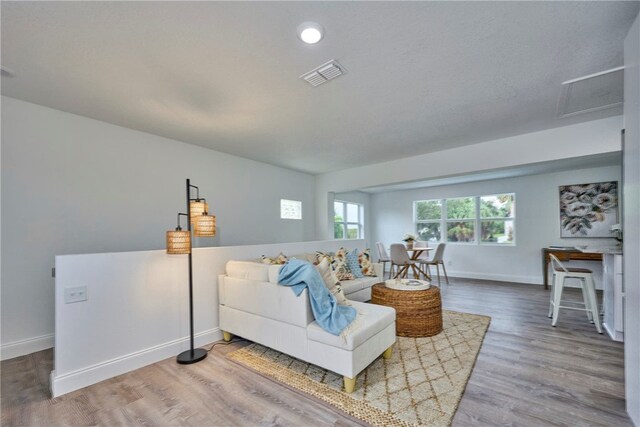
420,76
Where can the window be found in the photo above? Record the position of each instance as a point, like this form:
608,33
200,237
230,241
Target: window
461,214
497,219
290,209
348,221
479,219
428,215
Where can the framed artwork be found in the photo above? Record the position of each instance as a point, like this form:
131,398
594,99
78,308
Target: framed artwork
588,210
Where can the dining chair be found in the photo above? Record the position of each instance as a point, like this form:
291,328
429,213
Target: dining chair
421,244
560,274
438,261
401,260
383,257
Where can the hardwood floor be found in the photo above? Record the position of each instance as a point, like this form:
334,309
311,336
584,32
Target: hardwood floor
527,374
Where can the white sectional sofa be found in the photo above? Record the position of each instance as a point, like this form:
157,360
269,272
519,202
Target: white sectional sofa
255,307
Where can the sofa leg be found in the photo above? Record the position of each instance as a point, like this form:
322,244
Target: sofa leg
349,384
387,353
227,336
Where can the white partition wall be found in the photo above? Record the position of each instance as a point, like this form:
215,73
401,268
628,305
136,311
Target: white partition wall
137,309
632,220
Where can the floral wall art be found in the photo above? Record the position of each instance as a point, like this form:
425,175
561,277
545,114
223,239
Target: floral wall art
588,210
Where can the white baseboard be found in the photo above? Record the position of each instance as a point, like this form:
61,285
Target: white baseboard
70,381
22,347
532,280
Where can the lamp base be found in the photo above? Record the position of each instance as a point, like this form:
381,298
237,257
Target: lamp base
191,356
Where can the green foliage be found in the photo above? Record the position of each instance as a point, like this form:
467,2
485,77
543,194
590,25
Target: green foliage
338,228
428,209
461,208
460,231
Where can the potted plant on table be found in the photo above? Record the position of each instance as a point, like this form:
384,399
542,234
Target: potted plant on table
408,239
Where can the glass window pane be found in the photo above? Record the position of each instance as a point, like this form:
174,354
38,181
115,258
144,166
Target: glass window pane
462,208
460,231
290,209
429,232
338,231
352,212
497,231
428,209
352,231
498,206
338,210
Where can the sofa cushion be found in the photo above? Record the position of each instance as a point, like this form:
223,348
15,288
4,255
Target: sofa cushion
351,286
248,270
371,319
274,272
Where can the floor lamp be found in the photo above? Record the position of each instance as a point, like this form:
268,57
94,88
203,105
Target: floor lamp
179,243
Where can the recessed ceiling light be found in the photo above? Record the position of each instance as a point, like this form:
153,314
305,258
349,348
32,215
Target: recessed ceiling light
6,72
310,32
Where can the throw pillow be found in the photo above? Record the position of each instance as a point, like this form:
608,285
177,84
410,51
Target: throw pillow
340,266
366,266
331,282
353,264
328,255
280,259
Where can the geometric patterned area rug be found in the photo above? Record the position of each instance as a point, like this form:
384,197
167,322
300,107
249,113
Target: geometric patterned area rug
421,385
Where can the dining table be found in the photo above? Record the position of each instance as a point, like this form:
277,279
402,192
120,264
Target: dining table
414,255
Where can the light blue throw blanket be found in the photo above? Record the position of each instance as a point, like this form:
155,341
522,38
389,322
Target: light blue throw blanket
331,317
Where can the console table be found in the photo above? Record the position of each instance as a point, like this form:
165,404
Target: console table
565,254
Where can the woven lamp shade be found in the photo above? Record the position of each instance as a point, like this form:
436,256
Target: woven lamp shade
205,226
178,242
197,208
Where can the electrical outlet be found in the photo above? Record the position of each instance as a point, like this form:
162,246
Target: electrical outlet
77,294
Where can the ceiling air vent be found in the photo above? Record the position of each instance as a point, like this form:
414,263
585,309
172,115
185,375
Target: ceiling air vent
323,73
590,93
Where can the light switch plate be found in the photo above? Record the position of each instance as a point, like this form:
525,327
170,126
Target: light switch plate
77,294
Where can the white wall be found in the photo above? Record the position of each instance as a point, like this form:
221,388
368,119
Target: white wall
537,223
584,139
137,309
76,185
632,220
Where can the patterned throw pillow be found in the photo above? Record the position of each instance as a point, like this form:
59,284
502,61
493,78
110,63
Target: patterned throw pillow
321,255
280,259
366,266
340,266
331,282
353,264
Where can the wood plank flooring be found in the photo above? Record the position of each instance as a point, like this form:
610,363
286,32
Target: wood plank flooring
527,374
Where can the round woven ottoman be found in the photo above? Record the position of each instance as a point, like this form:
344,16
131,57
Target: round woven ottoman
418,313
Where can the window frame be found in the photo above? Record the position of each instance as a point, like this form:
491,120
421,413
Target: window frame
345,224
284,202
477,221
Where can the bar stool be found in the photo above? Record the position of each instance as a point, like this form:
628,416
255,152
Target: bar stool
560,274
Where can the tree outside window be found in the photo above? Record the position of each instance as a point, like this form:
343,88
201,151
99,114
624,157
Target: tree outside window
348,220
478,219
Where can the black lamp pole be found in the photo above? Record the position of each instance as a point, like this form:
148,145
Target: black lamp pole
192,355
